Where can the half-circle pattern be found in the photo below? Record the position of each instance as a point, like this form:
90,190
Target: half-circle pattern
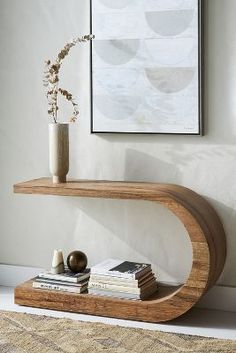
170,80
169,23
116,52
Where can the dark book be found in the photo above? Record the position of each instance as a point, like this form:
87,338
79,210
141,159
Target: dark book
66,283
120,268
67,276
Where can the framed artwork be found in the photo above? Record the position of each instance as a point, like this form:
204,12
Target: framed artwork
146,66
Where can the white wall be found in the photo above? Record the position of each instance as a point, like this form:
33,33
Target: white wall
32,226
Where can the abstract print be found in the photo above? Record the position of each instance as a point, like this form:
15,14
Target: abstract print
146,66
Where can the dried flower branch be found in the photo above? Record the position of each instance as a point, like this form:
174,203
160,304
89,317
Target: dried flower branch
51,80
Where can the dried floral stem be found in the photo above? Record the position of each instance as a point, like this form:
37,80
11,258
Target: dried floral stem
51,80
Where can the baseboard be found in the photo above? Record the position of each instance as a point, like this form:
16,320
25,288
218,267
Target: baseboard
11,275
218,297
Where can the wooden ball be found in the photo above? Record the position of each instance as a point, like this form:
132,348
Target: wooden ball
77,261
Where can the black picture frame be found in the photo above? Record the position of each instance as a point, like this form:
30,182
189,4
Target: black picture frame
200,131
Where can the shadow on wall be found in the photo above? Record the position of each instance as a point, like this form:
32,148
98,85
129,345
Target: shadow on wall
140,231
143,231
134,230
140,166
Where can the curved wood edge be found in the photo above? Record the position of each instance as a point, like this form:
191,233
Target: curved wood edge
197,215
210,223
146,310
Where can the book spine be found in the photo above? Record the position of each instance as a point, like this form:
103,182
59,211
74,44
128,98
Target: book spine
48,286
114,274
111,287
115,281
102,277
113,294
58,278
62,283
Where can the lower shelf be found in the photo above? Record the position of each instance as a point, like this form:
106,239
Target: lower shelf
155,309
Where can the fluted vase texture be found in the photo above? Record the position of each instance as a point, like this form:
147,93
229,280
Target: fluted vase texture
59,151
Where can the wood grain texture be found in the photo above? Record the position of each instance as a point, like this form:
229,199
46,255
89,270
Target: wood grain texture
197,215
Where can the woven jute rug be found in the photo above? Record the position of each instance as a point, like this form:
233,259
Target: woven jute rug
20,333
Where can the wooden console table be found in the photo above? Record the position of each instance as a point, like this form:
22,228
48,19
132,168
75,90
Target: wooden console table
200,220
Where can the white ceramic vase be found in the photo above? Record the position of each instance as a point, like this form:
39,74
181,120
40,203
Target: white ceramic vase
59,151
57,262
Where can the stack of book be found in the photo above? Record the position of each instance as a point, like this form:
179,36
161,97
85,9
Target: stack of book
122,279
67,281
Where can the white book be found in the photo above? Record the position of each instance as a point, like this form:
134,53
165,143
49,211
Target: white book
107,293
152,286
122,281
48,286
124,295
119,294
121,268
67,276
